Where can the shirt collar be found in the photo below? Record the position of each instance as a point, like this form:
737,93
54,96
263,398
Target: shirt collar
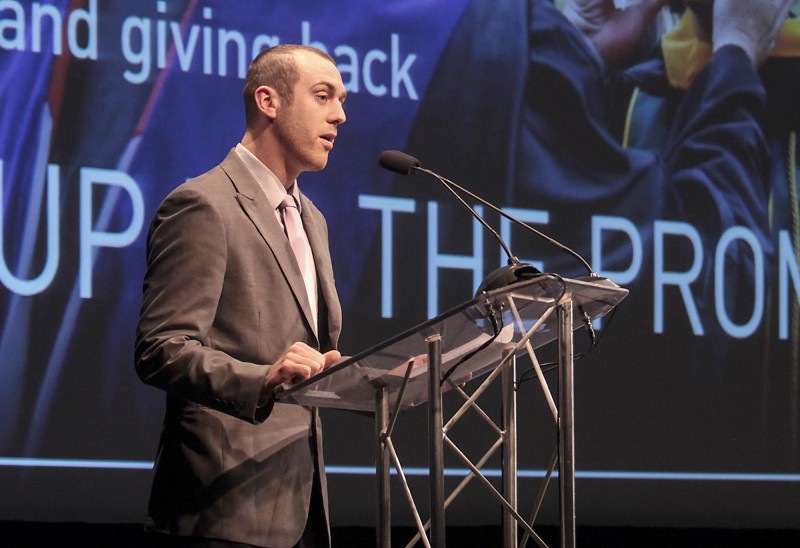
267,180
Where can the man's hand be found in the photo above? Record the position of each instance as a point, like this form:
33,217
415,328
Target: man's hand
613,32
298,363
752,25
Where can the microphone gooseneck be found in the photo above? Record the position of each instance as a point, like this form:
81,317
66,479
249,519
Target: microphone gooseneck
511,258
525,225
514,271
405,164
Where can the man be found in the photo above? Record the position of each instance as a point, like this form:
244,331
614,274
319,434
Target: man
227,316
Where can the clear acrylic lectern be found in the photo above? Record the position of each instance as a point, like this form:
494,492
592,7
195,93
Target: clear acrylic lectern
478,340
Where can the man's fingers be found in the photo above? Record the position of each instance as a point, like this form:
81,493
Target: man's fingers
293,373
302,354
298,363
331,357
301,362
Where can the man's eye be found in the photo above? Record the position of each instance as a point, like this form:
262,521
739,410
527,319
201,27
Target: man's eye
322,97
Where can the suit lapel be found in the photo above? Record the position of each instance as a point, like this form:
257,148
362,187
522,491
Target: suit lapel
255,205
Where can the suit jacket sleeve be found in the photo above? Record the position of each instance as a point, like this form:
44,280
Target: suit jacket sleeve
178,347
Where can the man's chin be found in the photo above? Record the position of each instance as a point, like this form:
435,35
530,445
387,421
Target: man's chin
314,160
318,164
322,161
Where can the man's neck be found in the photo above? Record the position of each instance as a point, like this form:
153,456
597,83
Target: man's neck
263,148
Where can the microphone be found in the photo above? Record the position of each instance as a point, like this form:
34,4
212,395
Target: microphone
405,164
397,161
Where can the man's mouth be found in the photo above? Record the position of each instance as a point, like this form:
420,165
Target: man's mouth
328,138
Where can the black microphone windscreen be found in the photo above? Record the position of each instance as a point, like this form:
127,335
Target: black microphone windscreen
397,161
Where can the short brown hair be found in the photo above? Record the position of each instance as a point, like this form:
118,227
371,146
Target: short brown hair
275,67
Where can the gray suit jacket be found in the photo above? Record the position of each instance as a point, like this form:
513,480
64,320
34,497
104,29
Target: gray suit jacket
223,298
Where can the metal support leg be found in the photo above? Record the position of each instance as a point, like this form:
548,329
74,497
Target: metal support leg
436,440
566,424
382,461
508,416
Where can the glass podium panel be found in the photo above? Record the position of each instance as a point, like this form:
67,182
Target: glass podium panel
475,337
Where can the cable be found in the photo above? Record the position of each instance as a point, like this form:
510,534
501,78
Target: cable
496,327
594,341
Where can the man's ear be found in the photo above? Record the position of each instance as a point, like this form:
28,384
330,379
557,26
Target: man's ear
267,101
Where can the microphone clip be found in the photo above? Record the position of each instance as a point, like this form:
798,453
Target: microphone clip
506,275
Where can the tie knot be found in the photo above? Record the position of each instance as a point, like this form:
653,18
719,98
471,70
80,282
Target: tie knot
288,201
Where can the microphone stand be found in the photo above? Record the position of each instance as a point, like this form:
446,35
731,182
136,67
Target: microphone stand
451,186
514,271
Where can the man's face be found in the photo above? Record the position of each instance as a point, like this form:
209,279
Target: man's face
307,126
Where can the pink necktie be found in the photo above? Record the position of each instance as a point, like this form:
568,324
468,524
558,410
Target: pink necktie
293,226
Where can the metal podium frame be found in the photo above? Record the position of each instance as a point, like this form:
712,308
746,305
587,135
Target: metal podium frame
483,336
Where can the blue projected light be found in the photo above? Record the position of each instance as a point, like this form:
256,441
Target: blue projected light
77,463
457,472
